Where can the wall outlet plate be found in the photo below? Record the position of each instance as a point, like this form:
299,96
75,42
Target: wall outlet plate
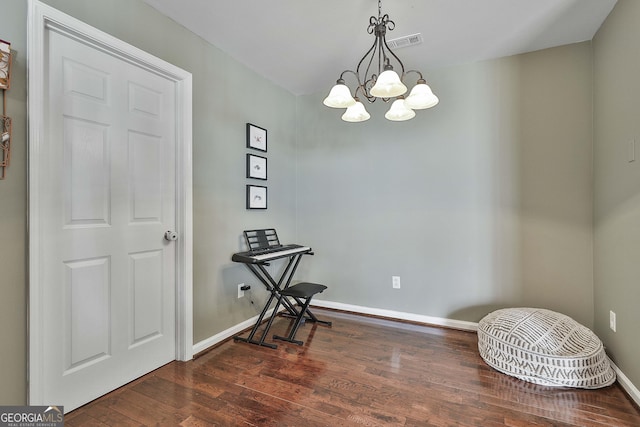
395,282
240,291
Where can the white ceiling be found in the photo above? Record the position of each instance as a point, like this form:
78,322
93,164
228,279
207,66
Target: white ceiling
303,46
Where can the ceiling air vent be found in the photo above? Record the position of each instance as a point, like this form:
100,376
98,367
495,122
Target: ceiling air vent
405,41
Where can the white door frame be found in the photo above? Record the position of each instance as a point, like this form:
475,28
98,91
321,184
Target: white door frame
43,18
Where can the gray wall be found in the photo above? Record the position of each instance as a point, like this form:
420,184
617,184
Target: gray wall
617,185
483,201
226,96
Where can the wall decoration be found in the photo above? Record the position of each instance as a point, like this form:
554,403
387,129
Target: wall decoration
5,144
256,137
5,64
5,121
256,197
256,167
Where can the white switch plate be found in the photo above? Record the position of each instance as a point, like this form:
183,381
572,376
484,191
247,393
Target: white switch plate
240,291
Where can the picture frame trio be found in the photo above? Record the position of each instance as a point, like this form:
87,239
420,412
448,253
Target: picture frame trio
256,166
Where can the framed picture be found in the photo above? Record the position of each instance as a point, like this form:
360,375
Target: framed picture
256,197
256,137
256,167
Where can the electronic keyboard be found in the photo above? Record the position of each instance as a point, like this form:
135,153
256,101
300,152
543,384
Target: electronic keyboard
259,256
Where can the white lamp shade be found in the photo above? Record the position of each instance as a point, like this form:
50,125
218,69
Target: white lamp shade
388,85
399,112
356,113
339,97
421,97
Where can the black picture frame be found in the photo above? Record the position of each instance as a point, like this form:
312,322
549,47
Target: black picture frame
256,197
256,137
256,167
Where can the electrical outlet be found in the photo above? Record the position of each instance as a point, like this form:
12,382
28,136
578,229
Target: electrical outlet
240,291
612,320
395,282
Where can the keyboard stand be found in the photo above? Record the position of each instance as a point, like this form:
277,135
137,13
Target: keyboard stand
274,287
264,246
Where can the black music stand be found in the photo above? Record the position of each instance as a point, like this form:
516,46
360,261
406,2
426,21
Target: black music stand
264,246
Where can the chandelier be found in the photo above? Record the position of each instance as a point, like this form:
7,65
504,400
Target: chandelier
376,78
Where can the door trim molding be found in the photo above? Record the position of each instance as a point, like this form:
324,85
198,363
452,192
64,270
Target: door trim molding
43,18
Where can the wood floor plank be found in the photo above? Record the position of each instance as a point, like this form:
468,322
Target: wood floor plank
362,371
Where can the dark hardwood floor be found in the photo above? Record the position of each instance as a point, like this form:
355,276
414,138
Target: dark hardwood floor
359,372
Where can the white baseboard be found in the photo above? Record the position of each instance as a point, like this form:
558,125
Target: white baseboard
438,321
217,338
626,384
449,323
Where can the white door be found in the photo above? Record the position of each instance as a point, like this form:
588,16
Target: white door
107,195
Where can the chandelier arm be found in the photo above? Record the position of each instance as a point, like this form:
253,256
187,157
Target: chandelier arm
385,61
371,49
348,71
359,87
394,55
414,71
366,94
362,91
363,82
374,75
369,82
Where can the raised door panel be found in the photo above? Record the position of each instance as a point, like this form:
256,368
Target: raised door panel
146,296
145,177
87,309
87,167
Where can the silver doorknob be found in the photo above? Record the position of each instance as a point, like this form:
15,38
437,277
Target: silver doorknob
171,236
